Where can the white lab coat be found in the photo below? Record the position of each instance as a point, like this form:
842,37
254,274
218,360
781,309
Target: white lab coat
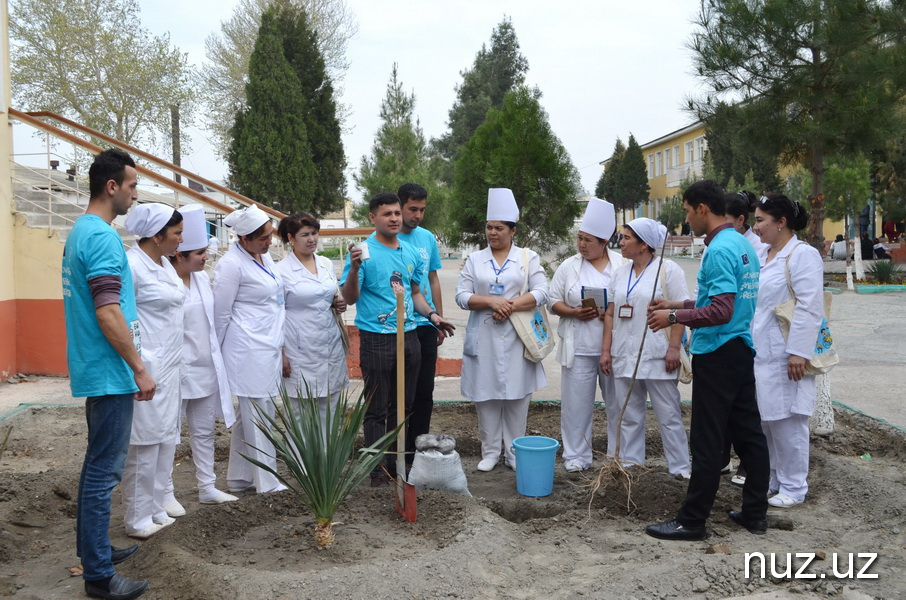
778,396
199,338
312,339
627,333
566,277
248,320
761,249
493,365
159,296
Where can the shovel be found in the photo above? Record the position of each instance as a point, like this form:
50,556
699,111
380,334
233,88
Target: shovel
405,492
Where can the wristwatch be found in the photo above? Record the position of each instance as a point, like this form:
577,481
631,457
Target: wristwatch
671,318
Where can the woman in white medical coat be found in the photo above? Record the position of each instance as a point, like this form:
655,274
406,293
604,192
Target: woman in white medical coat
786,395
248,319
624,326
580,330
495,373
204,388
159,296
314,360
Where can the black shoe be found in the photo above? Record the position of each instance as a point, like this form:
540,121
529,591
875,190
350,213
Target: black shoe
118,555
758,527
673,530
119,588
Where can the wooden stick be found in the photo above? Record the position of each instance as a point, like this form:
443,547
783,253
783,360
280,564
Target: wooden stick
638,358
401,396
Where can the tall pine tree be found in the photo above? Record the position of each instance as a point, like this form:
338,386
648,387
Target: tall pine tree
827,76
270,157
399,155
495,72
300,46
631,186
516,148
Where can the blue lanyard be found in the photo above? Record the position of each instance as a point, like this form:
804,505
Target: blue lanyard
258,264
497,271
628,281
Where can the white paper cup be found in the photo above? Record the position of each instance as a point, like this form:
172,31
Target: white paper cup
363,246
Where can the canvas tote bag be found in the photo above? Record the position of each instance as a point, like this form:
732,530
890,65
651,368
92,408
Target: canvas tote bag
532,326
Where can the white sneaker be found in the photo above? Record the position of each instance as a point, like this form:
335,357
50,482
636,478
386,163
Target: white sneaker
731,466
217,498
165,522
511,463
279,488
175,509
147,532
573,466
783,501
488,464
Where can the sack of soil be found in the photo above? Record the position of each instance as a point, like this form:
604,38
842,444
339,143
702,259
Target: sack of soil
436,465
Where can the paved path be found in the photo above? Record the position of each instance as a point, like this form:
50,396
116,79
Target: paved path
868,329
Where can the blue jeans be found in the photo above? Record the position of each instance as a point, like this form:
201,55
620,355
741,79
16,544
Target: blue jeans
109,427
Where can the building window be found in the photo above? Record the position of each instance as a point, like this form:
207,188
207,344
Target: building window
668,159
660,164
700,147
650,166
689,155
676,157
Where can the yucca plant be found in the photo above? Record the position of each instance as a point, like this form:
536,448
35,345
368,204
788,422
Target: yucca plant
884,271
323,470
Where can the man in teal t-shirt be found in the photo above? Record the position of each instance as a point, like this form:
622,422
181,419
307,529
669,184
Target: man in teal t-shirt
105,365
414,199
394,266
723,378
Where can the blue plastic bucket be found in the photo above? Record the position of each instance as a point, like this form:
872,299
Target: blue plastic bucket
535,460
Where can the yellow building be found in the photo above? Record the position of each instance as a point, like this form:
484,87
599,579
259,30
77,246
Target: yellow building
670,159
680,155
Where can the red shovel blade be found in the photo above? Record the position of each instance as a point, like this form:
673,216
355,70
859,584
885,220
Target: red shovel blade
404,495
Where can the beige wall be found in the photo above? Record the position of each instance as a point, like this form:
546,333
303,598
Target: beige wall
7,276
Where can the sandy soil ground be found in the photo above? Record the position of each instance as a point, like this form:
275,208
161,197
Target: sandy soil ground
496,544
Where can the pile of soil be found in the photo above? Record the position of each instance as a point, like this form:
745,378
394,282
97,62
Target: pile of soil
495,544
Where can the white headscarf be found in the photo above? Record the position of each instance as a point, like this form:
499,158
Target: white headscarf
146,220
649,231
247,220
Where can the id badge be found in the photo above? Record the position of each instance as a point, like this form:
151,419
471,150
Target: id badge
136,336
625,311
496,289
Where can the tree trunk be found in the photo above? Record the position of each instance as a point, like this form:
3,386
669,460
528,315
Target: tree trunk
849,264
175,138
857,253
816,199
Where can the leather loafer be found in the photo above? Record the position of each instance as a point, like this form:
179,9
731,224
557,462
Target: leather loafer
119,588
756,526
674,530
118,555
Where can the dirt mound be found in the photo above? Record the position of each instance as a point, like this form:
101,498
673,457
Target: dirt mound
496,544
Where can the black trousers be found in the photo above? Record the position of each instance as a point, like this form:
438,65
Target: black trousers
723,403
377,356
423,402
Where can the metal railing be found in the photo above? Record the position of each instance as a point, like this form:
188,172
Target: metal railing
56,198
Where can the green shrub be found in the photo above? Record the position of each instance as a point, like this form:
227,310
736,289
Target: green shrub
884,271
